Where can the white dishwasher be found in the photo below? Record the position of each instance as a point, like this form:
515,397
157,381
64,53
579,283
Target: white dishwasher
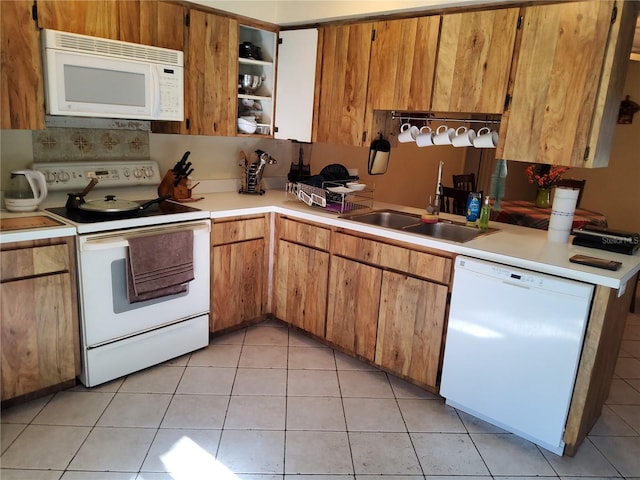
512,348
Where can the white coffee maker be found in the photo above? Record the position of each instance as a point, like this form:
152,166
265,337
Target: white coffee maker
27,189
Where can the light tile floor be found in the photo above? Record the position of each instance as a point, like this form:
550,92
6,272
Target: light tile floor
269,403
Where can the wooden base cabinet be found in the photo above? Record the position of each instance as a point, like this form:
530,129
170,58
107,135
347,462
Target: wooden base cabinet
302,274
353,304
388,304
239,266
39,323
301,287
411,327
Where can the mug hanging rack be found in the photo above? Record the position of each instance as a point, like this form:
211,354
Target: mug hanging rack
428,117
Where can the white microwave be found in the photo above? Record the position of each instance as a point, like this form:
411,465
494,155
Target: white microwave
96,77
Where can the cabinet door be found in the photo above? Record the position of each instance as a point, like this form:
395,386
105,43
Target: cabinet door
403,55
237,283
38,341
156,23
297,54
352,312
300,288
474,60
555,84
344,72
211,74
99,19
22,90
411,327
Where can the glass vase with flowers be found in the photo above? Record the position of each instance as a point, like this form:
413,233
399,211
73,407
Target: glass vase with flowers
545,177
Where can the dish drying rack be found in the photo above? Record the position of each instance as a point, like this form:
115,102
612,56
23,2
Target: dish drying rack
337,202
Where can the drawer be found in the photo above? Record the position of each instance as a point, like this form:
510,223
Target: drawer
414,262
304,234
27,262
230,231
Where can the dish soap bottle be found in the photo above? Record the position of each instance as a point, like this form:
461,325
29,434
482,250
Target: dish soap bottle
483,222
473,208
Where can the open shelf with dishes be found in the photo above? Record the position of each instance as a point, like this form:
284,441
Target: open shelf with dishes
256,80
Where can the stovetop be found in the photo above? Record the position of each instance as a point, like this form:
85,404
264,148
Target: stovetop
85,216
155,214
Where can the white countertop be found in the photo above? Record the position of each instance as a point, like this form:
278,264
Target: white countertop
513,245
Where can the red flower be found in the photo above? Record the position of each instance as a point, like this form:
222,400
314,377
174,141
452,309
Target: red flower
545,180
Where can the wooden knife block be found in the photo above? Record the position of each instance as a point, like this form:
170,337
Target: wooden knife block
179,193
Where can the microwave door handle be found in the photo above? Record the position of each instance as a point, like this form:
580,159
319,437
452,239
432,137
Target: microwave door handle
155,90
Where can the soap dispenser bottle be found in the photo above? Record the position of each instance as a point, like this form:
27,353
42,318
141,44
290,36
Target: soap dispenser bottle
483,222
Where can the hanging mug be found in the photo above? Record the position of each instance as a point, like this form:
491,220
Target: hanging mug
464,137
408,133
486,138
425,138
443,135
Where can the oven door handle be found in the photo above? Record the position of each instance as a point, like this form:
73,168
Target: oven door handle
121,239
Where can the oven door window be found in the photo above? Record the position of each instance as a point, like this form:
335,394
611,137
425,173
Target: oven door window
119,290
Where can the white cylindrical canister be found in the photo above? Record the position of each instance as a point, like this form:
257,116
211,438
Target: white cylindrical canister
562,210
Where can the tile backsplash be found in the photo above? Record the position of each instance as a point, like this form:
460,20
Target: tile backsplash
76,144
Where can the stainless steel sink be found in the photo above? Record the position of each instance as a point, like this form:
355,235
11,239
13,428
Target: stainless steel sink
454,232
408,222
385,218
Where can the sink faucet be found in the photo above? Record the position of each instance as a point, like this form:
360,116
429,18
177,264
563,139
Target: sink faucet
434,202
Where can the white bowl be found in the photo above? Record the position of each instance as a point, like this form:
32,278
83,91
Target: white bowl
247,126
356,186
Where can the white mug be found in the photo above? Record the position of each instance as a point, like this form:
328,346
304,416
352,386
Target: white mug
486,138
408,133
444,135
464,137
425,139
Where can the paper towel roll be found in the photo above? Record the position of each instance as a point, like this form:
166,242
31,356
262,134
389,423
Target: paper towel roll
561,221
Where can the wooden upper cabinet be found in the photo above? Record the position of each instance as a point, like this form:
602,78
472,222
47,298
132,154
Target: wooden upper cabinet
99,19
152,22
403,56
211,74
344,74
563,82
474,60
21,89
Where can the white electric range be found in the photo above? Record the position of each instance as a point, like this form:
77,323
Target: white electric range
119,337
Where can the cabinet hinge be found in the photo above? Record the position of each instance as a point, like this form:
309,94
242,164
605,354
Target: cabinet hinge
448,298
587,151
34,11
373,35
279,40
364,137
519,26
187,20
507,102
275,129
614,14
188,124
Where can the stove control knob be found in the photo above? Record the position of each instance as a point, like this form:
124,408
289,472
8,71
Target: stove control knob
63,176
126,173
148,171
49,176
137,172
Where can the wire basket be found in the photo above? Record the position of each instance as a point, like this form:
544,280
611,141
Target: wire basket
333,201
